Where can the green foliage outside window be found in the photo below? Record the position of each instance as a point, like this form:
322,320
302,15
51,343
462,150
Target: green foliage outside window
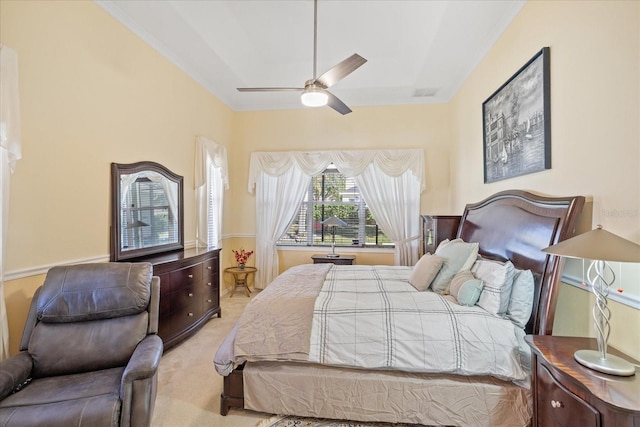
333,194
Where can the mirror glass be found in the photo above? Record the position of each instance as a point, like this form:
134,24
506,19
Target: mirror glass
147,214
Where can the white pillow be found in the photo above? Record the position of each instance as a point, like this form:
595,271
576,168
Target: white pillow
497,278
458,255
465,288
424,271
521,301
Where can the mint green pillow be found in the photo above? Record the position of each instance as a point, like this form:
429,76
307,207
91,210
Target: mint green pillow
465,288
458,256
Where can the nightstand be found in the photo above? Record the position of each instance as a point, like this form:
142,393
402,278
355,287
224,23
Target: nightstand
341,260
569,394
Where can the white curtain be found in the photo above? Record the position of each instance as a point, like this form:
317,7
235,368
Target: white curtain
211,177
394,202
9,154
398,171
278,198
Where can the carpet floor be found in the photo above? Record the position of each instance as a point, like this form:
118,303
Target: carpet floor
188,385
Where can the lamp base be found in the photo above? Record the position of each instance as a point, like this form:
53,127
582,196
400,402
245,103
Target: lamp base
333,255
613,365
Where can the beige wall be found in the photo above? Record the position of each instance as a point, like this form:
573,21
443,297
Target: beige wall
92,93
595,122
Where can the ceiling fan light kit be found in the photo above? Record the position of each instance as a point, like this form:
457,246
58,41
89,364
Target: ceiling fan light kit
315,93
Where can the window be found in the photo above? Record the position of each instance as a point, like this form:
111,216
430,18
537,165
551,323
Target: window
333,194
211,180
146,217
214,202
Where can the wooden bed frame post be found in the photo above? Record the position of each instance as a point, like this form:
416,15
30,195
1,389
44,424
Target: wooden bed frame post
233,391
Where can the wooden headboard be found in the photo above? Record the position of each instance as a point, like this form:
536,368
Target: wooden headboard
515,225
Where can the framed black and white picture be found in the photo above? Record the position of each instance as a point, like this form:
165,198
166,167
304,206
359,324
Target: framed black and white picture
517,123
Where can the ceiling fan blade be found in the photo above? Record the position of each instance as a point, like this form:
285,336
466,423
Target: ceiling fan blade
269,89
335,103
341,70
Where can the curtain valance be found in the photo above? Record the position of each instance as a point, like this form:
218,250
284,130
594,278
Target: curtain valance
350,163
217,154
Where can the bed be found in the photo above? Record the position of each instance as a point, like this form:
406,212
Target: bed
303,377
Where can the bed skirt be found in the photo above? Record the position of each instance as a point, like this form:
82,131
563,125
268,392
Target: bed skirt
358,395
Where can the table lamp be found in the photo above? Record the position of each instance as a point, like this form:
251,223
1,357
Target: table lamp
334,222
600,246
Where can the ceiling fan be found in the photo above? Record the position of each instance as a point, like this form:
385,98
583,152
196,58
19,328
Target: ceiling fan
314,92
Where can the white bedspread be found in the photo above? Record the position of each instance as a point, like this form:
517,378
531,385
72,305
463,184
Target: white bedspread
371,317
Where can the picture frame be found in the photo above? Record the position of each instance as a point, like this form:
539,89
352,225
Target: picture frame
516,122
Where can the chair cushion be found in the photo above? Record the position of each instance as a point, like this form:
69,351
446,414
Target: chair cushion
66,348
94,291
88,399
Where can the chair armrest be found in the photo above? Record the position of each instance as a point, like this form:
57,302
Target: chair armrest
14,371
139,382
144,361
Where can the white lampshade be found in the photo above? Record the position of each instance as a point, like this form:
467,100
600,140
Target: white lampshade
597,244
314,97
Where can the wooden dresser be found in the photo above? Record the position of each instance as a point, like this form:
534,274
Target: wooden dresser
189,291
569,394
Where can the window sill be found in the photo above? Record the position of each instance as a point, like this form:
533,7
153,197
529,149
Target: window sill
350,249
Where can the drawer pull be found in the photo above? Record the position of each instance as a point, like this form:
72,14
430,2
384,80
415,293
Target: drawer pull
208,283
209,267
208,300
556,404
190,276
190,314
190,294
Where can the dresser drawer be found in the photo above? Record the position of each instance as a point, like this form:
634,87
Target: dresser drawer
557,406
186,298
186,276
211,298
176,322
210,302
211,267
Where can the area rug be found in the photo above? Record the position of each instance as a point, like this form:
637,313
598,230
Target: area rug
293,421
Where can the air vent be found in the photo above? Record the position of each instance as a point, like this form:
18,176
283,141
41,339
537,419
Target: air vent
426,91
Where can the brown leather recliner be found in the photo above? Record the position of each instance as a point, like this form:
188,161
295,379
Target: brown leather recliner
89,353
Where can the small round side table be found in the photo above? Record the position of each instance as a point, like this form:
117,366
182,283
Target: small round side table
240,276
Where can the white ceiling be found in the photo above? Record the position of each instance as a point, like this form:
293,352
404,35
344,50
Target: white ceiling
417,45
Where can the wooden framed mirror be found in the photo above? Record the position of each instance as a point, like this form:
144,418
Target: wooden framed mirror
147,213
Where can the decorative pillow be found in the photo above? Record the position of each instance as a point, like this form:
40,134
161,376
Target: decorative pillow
497,278
424,271
465,288
521,301
458,255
